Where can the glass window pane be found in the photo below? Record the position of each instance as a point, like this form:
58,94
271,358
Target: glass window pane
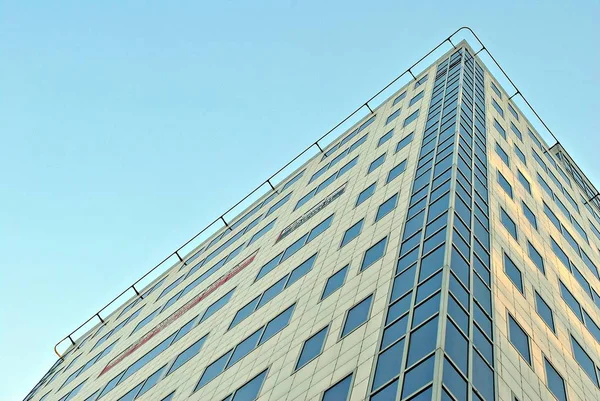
312,347
519,339
339,391
373,254
357,315
335,281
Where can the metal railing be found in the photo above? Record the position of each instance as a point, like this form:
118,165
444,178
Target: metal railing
176,254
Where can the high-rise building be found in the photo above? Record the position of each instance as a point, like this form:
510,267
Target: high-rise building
437,250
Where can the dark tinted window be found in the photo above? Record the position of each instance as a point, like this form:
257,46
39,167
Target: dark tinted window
386,207
365,194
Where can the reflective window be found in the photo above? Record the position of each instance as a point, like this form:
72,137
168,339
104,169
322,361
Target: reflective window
146,320
396,171
399,98
386,207
335,281
392,116
529,214
411,118
544,311
524,182
503,155
357,315
250,390
584,360
519,339
499,128
515,130
312,347
386,137
339,391
504,184
262,232
416,98
404,142
555,382
188,354
376,163
497,107
373,254
508,223
279,203
535,257
352,232
366,193
520,155
495,89
513,272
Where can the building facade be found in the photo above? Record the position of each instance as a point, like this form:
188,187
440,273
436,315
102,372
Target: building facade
438,250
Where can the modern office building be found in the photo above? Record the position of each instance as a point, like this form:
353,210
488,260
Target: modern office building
437,250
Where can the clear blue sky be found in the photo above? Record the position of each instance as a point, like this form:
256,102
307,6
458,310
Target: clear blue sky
125,126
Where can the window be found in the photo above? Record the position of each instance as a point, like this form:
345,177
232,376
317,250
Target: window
415,99
499,128
508,223
555,382
524,182
421,81
495,89
497,107
584,360
513,272
404,142
529,214
246,346
516,131
335,281
146,320
262,232
503,155
535,257
386,207
504,184
188,354
312,348
352,232
250,390
411,118
279,203
513,112
520,155
339,391
544,311
399,98
357,315
373,254
396,171
518,338
385,138
292,181
366,194
392,116
376,163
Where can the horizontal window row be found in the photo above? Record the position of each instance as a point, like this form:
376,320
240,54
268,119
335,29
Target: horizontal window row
246,346
337,159
274,290
349,137
294,247
326,182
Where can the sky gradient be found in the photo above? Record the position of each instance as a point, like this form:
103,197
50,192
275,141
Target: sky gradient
127,126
